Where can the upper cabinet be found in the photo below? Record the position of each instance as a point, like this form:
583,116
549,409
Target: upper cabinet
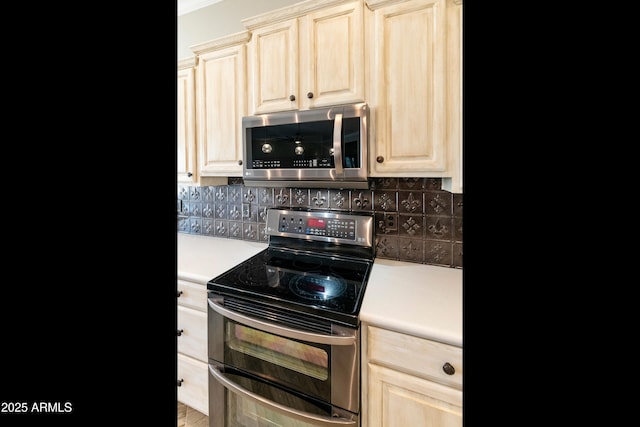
220,106
413,59
187,169
308,55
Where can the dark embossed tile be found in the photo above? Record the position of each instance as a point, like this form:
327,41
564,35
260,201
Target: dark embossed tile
457,255
183,192
208,210
300,198
437,253
249,195
235,229
194,193
221,228
318,198
410,202
234,194
262,232
195,209
438,228
250,231
387,247
433,184
282,197
208,226
415,184
195,225
411,250
385,201
265,196
438,203
261,213
457,229
220,194
208,193
362,200
235,212
384,184
457,205
339,199
411,226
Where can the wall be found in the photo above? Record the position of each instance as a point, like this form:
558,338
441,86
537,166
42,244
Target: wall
219,19
415,220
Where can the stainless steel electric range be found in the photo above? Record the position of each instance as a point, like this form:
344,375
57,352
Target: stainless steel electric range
283,326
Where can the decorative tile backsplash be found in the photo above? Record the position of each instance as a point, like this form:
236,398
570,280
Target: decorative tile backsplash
415,220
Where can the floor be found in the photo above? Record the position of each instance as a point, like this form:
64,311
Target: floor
189,417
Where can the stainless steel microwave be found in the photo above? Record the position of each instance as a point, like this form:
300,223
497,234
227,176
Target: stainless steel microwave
318,148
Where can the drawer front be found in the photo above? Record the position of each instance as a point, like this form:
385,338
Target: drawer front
193,295
193,390
416,356
193,339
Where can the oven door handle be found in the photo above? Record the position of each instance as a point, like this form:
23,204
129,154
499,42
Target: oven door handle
281,330
293,413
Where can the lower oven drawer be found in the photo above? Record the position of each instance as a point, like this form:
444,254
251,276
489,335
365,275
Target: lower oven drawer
192,327
193,390
241,399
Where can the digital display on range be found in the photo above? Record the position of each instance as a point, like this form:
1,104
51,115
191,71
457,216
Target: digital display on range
316,223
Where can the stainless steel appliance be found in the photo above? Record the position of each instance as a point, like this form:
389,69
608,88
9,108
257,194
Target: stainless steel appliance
283,326
319,148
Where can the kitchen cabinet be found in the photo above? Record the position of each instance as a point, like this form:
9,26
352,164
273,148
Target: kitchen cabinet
220,105
307,55
413,57
192,346
409,380
187,170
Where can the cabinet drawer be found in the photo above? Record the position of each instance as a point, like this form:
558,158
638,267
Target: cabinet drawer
193,390
193,295
416,356
193,339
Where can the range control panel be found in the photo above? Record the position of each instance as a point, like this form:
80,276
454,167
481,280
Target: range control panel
321,225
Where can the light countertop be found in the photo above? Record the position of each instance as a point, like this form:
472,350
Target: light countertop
417,299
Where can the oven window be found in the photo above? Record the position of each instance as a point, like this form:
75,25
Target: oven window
243,412
299,357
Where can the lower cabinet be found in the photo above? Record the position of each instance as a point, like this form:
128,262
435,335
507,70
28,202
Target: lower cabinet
410,381
192,346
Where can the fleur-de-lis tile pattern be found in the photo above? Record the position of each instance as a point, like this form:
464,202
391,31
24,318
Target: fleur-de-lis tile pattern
415,220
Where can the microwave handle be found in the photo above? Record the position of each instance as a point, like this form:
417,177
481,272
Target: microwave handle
281,330
292,413
337,145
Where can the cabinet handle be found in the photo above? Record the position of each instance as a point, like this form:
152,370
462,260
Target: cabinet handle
448,369
180,331
178,294
310,95
239,162
379,159
180,383
189,174
292,97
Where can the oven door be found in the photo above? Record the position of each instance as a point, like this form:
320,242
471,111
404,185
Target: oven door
324,367
237,398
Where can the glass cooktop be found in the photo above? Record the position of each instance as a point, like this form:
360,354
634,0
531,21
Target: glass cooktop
323,285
